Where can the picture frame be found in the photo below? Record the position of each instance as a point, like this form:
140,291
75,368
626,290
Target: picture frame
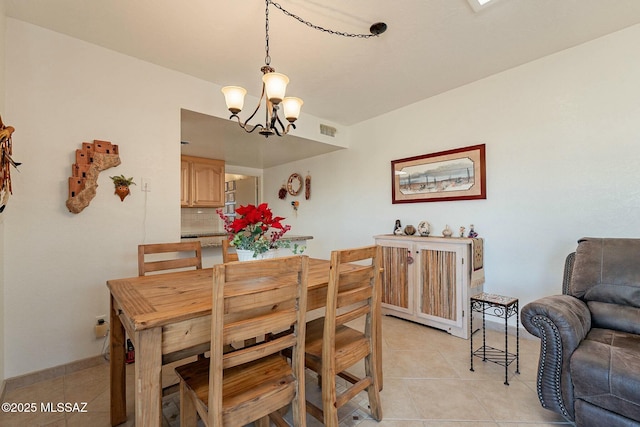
458,174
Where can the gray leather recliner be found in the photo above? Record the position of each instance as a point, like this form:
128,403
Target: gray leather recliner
589,368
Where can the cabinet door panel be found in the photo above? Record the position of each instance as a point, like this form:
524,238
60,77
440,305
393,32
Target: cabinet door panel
395,278
438,294
207,185
184,183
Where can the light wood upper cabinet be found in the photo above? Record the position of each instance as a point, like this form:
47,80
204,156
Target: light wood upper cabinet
202,182
184,183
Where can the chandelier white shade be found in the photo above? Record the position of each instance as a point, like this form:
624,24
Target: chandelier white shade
292,106
276,85
234,97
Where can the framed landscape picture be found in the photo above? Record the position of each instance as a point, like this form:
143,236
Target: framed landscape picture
457,174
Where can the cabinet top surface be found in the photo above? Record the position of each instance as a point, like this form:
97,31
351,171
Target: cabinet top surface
417,238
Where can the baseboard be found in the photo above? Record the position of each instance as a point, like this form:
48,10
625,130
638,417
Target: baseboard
31,378
511,330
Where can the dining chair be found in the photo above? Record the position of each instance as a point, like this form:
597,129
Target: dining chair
172,256
191,250
332,346
226,255
252,383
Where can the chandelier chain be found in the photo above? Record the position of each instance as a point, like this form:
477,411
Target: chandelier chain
317,27
267,57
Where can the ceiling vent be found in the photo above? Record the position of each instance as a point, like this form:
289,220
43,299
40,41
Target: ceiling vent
328,130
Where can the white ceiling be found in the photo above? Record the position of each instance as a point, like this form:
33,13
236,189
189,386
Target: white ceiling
431,46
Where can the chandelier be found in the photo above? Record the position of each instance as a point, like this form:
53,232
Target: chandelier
274,86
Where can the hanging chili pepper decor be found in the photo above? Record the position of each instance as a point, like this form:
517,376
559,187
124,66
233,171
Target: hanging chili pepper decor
307,186
5,163
282,193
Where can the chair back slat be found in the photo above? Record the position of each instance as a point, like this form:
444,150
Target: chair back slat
358,254
245,329
264,271
172,264
354,296
358,276
185,255
248,354
352,315
271,292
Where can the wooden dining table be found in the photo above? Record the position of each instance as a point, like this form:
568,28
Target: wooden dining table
168,316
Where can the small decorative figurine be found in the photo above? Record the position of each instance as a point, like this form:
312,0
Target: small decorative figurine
397,229
472,232
462,231
409,230
447,231
424,228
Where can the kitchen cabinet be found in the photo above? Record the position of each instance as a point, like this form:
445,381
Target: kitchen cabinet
428,280
202,182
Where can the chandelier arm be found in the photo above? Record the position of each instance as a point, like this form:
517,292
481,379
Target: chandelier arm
274,117
254,111
280,122
288,128
258,126
247,128
285,130
374,32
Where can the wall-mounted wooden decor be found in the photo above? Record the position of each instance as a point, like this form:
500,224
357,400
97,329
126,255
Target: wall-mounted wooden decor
5,162
90,161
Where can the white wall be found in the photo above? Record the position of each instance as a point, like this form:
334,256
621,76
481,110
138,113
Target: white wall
2,109
563,141
62,91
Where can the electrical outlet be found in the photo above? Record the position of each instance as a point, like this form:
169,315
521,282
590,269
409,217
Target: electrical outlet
101,327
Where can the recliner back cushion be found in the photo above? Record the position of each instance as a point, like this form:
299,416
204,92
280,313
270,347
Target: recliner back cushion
617,317
606,275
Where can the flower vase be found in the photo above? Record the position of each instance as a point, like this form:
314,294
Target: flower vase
247,255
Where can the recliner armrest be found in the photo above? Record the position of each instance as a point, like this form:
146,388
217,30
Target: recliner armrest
561,322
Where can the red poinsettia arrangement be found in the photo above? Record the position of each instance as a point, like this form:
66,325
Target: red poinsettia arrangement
249,229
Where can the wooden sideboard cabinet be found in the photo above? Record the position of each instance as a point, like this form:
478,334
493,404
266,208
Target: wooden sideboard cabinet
202,182
428,280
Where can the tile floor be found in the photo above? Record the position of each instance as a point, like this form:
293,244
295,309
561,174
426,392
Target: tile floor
427,383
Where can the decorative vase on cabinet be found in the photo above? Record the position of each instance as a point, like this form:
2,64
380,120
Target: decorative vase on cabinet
428,280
